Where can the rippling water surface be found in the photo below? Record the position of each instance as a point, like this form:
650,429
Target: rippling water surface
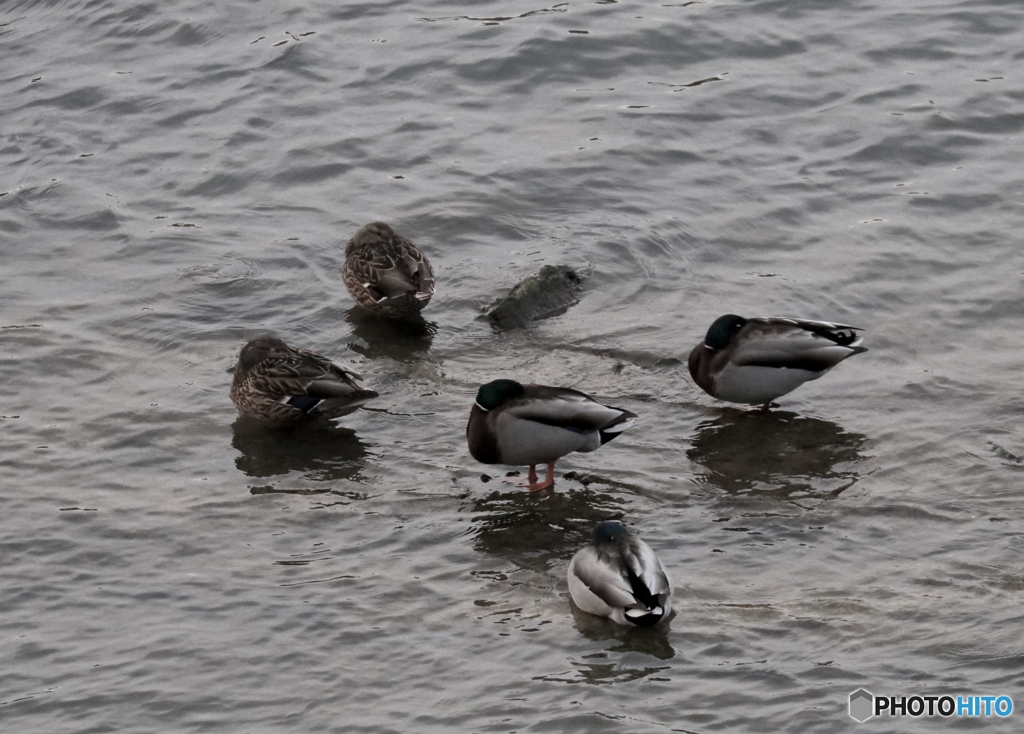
177,177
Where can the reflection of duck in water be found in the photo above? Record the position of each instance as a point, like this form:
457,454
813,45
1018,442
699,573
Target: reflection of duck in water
377,336
519,424
775,452
387,273
278,384
317,449
759,359
651,641
538,530
619,577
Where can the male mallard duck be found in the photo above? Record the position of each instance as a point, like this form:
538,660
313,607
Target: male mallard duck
386,272
757,360
279,384
536,424
619,577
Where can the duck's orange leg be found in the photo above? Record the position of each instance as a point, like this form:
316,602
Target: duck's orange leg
549,480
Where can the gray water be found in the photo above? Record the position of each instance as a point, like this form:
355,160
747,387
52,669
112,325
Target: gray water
177,177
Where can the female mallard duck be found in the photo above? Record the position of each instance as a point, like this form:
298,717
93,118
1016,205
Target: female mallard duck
279,384
619,577
386,272
535,424
757,360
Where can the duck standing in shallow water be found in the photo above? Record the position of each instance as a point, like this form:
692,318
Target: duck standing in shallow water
278,384
387,273
619,577
759,359
519,424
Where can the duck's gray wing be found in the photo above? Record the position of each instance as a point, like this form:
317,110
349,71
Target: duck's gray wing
814,346
640,559
604,574
808,324
567,408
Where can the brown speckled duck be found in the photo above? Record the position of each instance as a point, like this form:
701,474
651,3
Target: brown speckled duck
278,384
759,359
519,424
387,273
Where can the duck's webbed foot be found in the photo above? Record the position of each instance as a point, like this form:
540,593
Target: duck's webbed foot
549,479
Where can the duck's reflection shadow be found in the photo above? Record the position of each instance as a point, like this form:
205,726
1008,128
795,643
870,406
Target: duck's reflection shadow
402,340
648,640
316,450
540,530
776,454
537,529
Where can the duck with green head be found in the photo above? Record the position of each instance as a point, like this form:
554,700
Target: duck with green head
517,424
619,577
756,360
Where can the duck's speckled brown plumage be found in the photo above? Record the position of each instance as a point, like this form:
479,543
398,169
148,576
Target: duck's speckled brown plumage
387,273
278,384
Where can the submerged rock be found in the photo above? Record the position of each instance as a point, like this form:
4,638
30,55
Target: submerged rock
548,293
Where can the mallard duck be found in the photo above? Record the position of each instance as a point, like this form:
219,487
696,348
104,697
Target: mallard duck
759,359
386,272
512,423
619,577
279,384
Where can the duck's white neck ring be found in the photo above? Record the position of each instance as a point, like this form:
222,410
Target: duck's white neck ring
481,407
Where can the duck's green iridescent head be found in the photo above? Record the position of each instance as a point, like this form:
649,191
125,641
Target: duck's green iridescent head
609,531
497,393
724,330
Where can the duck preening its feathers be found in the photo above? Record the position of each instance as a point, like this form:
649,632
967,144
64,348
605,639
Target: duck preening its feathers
511,423
756,360
279,384
387,273
619,577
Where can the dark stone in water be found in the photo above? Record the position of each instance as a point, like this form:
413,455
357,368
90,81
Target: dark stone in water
548,293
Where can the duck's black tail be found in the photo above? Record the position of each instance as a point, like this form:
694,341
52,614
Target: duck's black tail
617,426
